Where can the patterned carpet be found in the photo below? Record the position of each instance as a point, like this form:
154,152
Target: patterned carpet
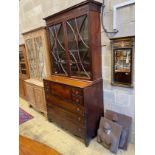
24,116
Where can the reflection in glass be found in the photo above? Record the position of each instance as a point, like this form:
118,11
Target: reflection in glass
77,32
57,49
39,49
122,65
32,58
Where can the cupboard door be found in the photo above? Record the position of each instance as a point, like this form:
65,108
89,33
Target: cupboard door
32,59
30,94
78,48
40,56
56,35
39,99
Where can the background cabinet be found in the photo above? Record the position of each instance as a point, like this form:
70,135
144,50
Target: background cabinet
39,66
74,91
23,71
35,95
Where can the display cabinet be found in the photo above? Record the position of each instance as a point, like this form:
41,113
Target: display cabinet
122,61
23,71
75,41
74,91
36,95
39,66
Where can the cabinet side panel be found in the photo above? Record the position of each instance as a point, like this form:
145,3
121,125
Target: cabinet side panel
93,100
95,44
46,54
21,88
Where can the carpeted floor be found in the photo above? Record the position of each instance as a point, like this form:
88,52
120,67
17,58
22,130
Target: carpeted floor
50,134
24,116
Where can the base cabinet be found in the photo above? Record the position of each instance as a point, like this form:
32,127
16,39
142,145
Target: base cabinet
74,105
35,95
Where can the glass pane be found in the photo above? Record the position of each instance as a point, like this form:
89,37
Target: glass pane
58,49
39,49
32,58
77,32
122,65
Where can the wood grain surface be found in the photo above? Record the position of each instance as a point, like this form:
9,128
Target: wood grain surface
30,147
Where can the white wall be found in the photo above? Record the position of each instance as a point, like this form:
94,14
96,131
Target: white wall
115,98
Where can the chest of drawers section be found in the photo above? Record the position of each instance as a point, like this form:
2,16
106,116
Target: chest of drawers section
73,107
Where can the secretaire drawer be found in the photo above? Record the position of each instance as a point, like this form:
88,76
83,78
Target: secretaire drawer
70,106
63,91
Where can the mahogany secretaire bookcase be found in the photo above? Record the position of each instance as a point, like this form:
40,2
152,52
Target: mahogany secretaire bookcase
74,91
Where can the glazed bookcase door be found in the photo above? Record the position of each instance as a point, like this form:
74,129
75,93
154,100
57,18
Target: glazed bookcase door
40,57
32,59
58,51
77,35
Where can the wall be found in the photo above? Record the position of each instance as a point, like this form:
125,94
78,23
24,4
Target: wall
115,98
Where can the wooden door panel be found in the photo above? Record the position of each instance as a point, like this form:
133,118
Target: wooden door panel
30,94
39,98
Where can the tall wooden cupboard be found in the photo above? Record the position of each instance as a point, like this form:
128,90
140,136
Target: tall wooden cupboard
74,91
23,71
38,60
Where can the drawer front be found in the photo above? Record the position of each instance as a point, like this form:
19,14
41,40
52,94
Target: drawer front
61,91
64,92
74,108
76,119
65,123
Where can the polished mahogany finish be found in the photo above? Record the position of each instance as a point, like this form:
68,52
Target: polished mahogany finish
74,91
23,71
74,37
75,105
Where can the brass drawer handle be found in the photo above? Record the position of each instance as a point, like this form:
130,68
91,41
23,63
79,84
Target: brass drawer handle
46,84
47,89
79,119
78,109
76,92
77,100
79,129
47,96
